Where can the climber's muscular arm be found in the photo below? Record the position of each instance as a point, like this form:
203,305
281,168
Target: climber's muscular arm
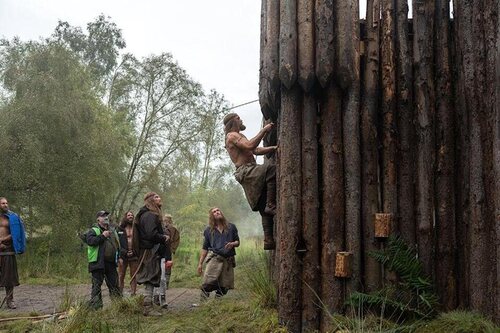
264,150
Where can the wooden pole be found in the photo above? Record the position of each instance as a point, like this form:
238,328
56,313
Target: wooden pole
445,190
369,144
288,42
269,88
423,13
389,129
332,200
348,42
290,212
405,120
496,166
310,216
305,27
324,41
463,56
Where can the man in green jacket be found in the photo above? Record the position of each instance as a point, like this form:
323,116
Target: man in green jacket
103,247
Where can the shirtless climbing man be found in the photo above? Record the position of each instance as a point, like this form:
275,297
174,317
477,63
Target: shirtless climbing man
258,180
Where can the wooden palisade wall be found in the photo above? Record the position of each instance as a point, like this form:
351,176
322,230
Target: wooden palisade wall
392,116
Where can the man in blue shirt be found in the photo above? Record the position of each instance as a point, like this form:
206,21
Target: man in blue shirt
220,239
12,242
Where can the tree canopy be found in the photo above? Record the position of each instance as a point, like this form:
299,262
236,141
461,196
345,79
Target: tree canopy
86,127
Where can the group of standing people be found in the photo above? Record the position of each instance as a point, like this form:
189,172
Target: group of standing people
142,243
145,243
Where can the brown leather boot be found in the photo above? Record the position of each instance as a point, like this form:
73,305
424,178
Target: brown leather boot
268,226
11,305
9,297
148,309
270,198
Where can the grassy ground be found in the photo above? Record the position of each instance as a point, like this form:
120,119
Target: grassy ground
250,308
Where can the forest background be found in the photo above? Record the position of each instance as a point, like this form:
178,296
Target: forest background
86,126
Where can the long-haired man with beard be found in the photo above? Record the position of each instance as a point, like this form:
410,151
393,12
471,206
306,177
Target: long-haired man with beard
128,257
220,239
152,244
258,180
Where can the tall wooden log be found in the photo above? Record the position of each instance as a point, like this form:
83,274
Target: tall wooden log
310,216
351,137
369,144
406,118
445,176
423,13
288,42
496,166
332,200
489,33
324,41
290,184
305,27
463,55
269,90
346,42
262,90
389,129
479,236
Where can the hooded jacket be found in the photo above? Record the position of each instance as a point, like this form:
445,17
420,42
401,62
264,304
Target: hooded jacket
149,232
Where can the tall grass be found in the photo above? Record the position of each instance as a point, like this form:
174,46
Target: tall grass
259,282
44,264
459,322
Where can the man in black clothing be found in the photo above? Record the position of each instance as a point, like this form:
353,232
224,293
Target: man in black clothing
152,245
102,254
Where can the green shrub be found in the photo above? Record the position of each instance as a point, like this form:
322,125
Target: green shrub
411,296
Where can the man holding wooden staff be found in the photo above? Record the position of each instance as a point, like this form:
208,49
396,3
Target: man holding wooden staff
258,181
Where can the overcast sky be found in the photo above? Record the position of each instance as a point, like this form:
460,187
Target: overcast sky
216,41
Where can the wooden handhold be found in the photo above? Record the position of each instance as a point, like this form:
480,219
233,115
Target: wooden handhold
343,265
383,224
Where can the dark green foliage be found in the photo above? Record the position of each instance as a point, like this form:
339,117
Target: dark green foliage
411,296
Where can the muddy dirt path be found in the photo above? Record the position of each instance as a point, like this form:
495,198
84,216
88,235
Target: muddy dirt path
44,299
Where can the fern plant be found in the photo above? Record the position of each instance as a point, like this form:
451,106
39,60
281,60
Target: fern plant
411,296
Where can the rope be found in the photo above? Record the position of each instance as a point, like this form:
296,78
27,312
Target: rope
237,106
172,300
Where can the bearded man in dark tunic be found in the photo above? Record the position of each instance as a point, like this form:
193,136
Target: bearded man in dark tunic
220,239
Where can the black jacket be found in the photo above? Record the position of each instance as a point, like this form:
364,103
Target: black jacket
94,240
150,232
